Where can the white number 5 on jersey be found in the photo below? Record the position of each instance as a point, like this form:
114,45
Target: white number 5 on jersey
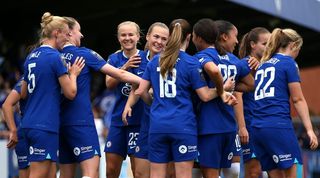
31,78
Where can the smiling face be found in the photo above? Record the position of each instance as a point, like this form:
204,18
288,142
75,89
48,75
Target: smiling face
157,39
230,39
128,36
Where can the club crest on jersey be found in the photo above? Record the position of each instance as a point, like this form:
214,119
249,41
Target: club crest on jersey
96,55
126,89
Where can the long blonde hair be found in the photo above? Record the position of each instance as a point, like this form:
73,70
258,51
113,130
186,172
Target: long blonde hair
280,38
179,29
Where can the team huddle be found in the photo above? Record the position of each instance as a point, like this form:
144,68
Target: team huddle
173,111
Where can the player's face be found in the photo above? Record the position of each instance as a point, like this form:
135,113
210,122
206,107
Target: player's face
231,40
157,39
259,47
76,34
128,37
62,36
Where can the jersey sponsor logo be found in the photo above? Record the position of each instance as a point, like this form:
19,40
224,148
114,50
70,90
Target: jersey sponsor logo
109,144
126,89
230,156
183,149
275,158
76,151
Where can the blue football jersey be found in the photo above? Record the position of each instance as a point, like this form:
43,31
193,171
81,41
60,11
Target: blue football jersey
122,90
215,116
172,109
42,69
78,111
272,92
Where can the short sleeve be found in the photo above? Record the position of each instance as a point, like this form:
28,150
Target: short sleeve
94,60
57,64
292,72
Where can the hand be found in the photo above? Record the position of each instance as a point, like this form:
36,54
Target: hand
127,112
77,66
229,85
313,140
228,98
133,62
253,63
244,135
13,139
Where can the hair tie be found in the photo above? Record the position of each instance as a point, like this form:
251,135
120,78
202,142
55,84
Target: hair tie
177,24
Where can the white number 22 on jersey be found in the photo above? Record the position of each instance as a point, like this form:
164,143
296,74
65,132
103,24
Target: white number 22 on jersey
263,91
31,78
165,85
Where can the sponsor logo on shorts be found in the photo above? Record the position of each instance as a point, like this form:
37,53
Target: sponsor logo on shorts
137,149
109,144
192,148
76,151
285,157
246,151
230,156
22,159
183,149
86,149
37,151
275,158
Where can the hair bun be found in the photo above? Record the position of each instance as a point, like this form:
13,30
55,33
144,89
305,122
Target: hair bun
46,19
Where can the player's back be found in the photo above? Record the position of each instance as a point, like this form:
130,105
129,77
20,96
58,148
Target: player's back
172,109
42,69
272,91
